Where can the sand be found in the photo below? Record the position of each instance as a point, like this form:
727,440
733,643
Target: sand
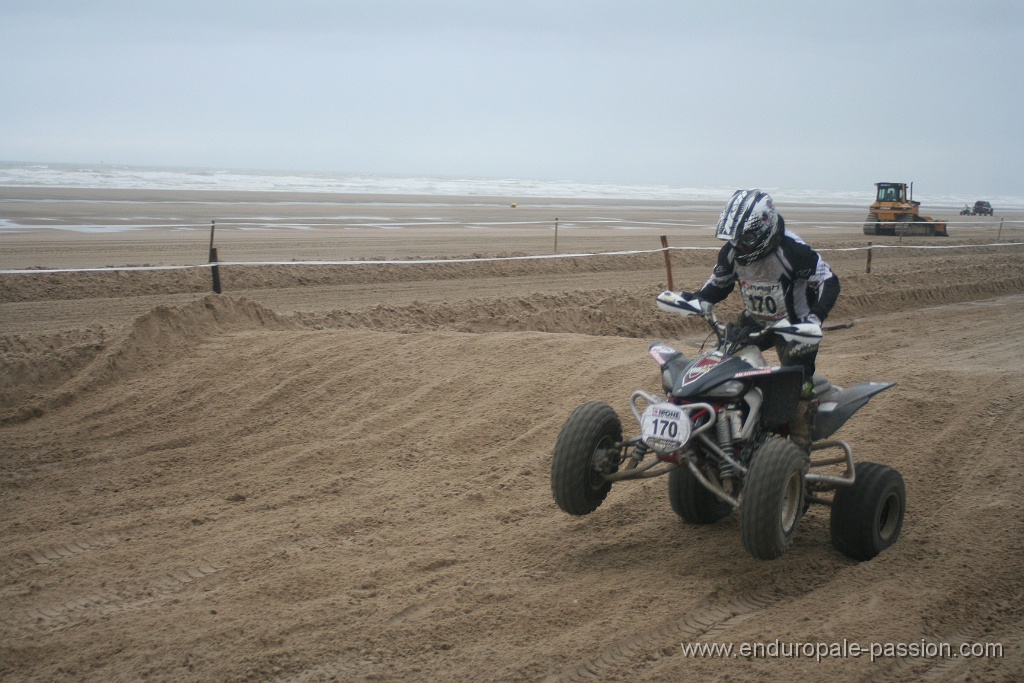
342,472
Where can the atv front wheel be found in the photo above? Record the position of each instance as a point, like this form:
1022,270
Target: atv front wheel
585,451
867,517
692,501
773,499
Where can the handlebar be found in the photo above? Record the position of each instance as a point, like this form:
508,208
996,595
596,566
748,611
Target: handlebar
730,334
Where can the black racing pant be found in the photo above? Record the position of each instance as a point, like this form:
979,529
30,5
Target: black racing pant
790,353
804,355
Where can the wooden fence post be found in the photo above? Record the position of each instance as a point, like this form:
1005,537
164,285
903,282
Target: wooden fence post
668,262
214,268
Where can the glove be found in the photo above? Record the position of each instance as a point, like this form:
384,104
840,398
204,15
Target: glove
813,319
705,306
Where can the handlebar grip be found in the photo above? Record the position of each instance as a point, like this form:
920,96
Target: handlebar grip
670,302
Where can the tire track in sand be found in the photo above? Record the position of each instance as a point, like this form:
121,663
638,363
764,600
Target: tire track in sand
62,614
709,621
27,560
979,632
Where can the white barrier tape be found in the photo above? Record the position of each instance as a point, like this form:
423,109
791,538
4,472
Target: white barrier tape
347,263
35,271
105,269
454,260
981,222
924,246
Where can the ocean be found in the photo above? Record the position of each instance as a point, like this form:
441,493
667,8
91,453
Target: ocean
108,176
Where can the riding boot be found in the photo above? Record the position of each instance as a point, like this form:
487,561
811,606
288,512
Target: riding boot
801,425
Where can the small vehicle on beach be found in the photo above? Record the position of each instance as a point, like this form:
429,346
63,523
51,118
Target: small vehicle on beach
894,212
720,433
982,209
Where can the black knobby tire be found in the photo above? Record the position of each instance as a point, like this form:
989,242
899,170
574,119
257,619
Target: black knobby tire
868,516
691,501
576,482
773,499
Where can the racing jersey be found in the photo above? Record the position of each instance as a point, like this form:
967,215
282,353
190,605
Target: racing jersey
791,282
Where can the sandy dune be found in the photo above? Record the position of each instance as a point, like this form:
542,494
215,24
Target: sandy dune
332,473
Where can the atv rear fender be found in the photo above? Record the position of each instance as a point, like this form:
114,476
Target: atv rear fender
837,405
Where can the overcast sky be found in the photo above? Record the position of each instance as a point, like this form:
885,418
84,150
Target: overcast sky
818,94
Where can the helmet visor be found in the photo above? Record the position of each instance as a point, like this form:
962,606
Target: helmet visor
748,241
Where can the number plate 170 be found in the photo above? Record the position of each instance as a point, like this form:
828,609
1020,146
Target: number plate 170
665,427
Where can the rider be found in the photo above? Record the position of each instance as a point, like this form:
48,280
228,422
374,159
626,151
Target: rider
780,276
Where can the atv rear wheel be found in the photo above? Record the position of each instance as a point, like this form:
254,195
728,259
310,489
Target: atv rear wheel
692,501
585,451
868,516
773,499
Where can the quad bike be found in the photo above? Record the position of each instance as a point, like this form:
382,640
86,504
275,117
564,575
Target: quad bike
721,434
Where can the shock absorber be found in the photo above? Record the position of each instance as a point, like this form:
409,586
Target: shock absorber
724,434
637,455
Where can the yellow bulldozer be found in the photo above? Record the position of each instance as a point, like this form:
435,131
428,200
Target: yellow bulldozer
894,213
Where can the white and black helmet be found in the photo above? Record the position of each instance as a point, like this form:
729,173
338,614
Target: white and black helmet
750,224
